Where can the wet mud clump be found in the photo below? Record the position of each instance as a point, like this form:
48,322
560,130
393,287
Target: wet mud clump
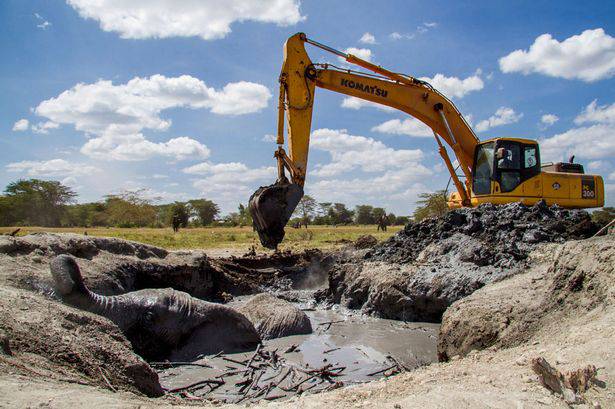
423,269
507,233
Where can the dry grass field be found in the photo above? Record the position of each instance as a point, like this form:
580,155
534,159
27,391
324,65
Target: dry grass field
238,238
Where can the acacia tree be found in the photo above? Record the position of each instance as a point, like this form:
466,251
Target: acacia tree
340,214
306,208
206,210
129,209
181,213
378,213
431,205
364,214
37,202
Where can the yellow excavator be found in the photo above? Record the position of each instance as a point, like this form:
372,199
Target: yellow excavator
499,170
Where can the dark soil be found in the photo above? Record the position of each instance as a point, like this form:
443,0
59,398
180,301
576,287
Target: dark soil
508,232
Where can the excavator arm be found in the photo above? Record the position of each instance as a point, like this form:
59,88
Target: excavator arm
272,206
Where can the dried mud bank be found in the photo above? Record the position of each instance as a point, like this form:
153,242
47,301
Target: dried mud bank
565,281
42,337
418,273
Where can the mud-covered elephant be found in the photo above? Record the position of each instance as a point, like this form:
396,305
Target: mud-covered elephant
160,323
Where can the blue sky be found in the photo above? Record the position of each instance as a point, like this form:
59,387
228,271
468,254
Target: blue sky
177,97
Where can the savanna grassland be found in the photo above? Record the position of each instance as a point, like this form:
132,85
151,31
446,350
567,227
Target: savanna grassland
237,238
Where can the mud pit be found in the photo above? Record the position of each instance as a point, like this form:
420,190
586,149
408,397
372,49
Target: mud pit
345,349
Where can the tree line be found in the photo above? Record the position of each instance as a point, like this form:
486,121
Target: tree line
35,202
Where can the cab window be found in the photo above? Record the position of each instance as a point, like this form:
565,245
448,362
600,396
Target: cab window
529,157
508,156
508,160
483,169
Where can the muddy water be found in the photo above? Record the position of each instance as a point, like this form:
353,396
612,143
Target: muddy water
359,344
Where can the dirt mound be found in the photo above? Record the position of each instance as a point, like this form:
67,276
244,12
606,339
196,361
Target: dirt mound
568,280
50,340
365,242
419,272
506,232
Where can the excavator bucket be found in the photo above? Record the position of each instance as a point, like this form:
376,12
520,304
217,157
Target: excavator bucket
271,207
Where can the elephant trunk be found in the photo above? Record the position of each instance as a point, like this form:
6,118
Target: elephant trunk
69,284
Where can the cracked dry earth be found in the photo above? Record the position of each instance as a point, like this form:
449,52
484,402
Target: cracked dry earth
560,307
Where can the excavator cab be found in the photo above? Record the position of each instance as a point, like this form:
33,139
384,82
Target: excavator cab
509,170
501,165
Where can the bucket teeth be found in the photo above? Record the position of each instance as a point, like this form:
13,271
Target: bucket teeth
271,208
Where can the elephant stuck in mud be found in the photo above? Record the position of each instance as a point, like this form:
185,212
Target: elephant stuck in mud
160,323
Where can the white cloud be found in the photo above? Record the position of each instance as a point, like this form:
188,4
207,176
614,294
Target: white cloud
208,19
134,147
154,195
612,176
358,103
69,181
397,190
21,125
44,127
269,138
51,168
589,56
549,119
43,24
597,165
591,142
367,38
453,87
398,36
503,116
363,53
594,141
116,114
604,114
350,152
410,127
422,29
229,183
207,168
131,107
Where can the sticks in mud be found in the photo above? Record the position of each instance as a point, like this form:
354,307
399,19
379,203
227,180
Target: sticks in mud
255,383
329,323
394,369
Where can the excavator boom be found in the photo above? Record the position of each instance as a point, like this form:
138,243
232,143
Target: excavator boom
272,206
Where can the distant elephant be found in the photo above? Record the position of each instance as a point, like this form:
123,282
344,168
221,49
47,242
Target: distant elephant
160,323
